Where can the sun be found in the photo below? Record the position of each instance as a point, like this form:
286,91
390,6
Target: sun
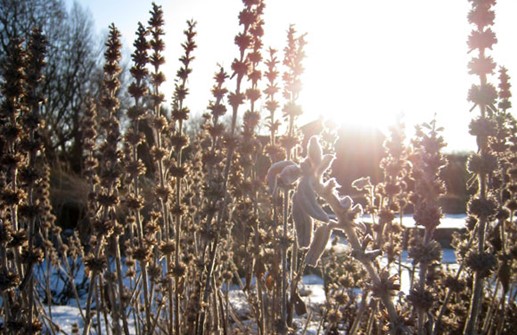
338,105
369,63
367,89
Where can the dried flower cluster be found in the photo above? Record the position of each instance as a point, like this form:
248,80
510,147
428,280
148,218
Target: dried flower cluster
26,222
491,136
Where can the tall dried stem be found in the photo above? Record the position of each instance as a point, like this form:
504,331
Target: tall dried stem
104,196
481,206
179,141
427,162
249,17
135,169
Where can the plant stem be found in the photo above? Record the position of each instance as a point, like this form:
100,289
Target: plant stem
348,227
122,306
283,310
443,307
477,288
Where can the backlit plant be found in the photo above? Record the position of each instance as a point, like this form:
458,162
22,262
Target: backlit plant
180,215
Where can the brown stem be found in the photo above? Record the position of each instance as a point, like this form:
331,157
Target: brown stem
349,229
477,286
448,295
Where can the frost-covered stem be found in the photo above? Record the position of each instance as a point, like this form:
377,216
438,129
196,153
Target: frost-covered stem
156,23
227,304
292,274
283,245
359,314
36,53
155,319
504,311
226,175
502,222
261,315
139,228
371,318
271,104
88,317
443,307
421,283
13,209
48,291
300,268
293,58
161,170
122,306
101,305
70,278
208,286
94,277
492,306
140,225
512,288
477,294
276,238
32,233
180,95
347,226
220,77
401,215
213,250
177,251
214,247
143,264
497,303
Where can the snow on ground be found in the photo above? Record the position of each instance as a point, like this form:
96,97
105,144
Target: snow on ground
65,317
311,287
449,221
311,290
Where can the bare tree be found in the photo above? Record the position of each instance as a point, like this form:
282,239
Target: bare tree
18,17
72,71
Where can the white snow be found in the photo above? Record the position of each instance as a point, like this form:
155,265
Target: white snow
311,288
449,221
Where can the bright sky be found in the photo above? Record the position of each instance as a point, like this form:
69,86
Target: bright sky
367,61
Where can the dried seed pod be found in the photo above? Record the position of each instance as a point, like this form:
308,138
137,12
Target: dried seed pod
321,237
303,224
